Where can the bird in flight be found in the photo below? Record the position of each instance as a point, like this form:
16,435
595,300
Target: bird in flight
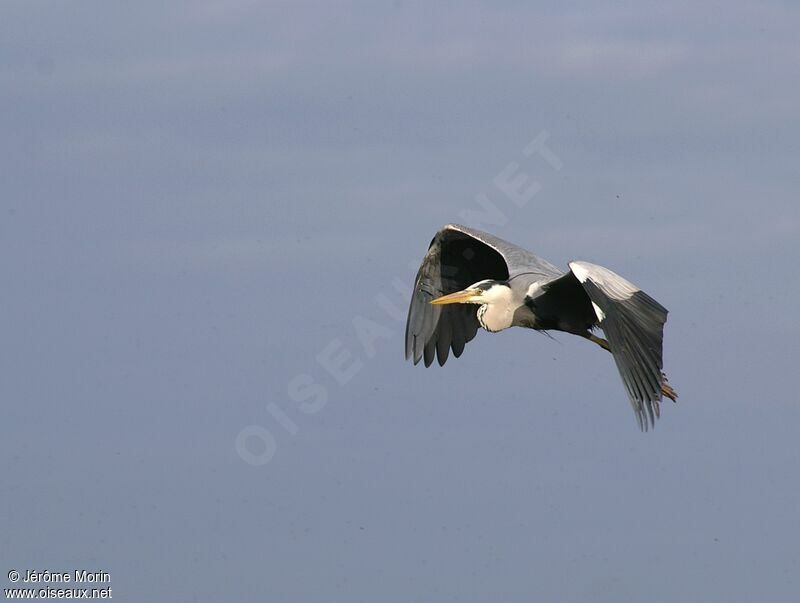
511,287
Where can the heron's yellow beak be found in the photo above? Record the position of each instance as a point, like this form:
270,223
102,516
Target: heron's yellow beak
467,296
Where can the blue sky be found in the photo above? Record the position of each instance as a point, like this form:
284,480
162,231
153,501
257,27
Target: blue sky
207,210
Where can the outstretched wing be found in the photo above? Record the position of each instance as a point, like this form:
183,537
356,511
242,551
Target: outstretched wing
454,261
634,325
458,257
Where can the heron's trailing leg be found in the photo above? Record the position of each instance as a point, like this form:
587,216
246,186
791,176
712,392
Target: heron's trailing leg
666,388
599,341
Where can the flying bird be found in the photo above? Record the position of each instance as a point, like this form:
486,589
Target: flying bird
512,287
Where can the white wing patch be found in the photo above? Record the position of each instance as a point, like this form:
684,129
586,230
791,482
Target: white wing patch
534,289
579,271
600,314
611,283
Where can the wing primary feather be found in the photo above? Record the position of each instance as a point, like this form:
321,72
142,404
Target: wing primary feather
430,352
444,336
459,329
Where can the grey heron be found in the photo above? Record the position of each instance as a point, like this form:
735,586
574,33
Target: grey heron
512,287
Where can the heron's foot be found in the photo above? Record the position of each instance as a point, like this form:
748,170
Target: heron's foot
666,389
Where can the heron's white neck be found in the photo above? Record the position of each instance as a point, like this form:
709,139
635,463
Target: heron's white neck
497,313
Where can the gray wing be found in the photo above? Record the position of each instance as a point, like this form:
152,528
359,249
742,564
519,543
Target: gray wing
633,322
518,260
458,257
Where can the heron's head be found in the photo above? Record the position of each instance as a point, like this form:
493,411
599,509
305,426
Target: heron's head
496,310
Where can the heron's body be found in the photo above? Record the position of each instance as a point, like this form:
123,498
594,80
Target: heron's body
514,288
